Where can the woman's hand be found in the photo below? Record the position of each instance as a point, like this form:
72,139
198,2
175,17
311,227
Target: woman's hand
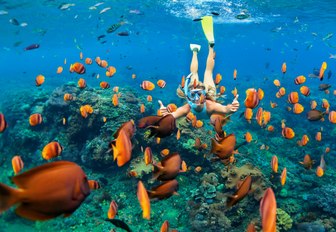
163,109
235,104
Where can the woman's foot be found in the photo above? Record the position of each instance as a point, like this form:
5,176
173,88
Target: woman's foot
195,47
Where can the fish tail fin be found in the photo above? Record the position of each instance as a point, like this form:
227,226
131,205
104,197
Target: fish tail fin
115,152
8,197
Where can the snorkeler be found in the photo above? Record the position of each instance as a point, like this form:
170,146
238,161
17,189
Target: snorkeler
201,97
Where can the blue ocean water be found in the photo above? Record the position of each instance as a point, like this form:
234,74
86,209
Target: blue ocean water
300,33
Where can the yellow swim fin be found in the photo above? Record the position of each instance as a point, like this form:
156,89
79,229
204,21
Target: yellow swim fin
207,25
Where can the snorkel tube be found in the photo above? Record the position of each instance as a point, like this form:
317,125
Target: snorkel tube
186,91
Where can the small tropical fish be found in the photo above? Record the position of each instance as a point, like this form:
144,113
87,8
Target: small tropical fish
332,117
276,82
35,119
147,85
307,162
123,33
68,97
161,83
93,184
284,68
252,98
268,208
319,171
143,200
88,61
59,70
322,70
234,74
164,152
274,164
104,10
47,191
164,190
51,150
218,78
298,108
114,27
113,210
318,136
241,192
115,100
287,132
65,6
248,137
86,110
323,87
224,149
104,85
39,80
328,36
300,80
165,226
122,147
305,90
293,97
32,47
168,168
148,156
315,115
17,164
77,67
283,176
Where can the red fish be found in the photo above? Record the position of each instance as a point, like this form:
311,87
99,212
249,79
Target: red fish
17,164
268,208
47,191
168,168
147,85
164,190
77,67
242,191
3,123
35,119
224,148
122,148
51,150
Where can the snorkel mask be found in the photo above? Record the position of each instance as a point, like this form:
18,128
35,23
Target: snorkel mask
194,96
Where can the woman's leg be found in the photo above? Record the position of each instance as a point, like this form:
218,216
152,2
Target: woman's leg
194,66
208,74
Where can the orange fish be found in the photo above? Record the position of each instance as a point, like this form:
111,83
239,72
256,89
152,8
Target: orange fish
47,191
223,149
104,85
304,140
198,169
161,83
199,124
261,94
248,114
307,162
319,171
77,67
313,104
293,97
332,117
143,200
266,117
88,61
283,176
171,108
259,116
17,164
3,123
93,184
252,99
218,78
234,92
85,110
251,228
284,68
59,70
234,74
298,108
103,63
287,132
277,83
281,92
81,55
325,104
300,80
122,148
147,85
164,190
164,152
97,60
133,76
178,134
241,192
270,128
221,90
148,155
305,90
113,210
184,166
111,70
318,136
248,137
68,97
268,208
327,150
168,168
142,108
35,119
39,80
322,70
149,98
64,121
274,164
81,83
182,81
51,150
165,226
115,100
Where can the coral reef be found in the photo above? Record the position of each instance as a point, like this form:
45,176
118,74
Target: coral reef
284,221
324,198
